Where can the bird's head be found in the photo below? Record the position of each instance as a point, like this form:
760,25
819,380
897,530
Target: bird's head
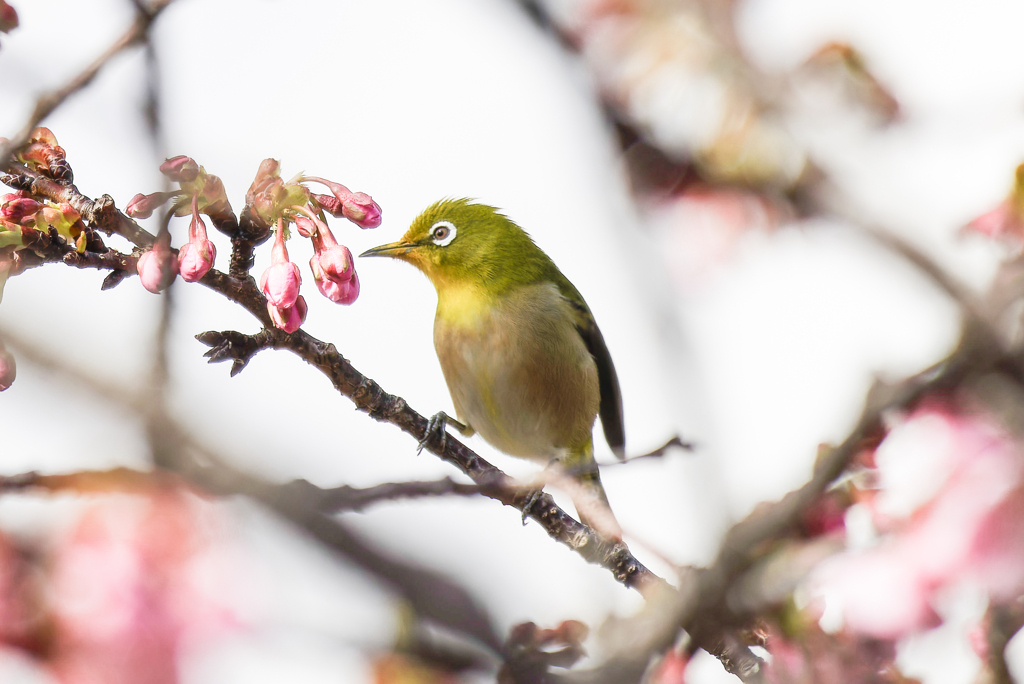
459,241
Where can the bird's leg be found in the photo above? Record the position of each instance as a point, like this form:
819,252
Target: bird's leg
437,424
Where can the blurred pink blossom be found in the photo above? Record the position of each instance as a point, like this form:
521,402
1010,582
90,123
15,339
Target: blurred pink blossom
129,583
8,17
8,368
1000,222
951,507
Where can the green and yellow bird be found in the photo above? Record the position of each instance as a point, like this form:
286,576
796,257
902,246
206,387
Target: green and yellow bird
525,363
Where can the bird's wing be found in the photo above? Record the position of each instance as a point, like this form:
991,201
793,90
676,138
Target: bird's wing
608,381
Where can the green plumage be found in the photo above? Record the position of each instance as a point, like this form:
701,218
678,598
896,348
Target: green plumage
525,362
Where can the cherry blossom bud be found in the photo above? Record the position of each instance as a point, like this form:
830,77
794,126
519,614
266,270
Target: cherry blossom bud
8,17
42,134
288,318
143,206
181,169
360,209
357,207
158,267
213,200
269,169
280,282
16,208
270,197
333,269
305,226
196,256
8,368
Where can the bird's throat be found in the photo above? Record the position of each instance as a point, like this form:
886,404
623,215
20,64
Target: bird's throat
463,304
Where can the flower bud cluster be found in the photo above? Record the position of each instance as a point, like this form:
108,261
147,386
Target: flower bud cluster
23,218
274,200
270,201
198,193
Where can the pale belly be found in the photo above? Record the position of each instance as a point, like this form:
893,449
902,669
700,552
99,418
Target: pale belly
521,376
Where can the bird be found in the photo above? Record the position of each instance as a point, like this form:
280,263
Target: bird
524,360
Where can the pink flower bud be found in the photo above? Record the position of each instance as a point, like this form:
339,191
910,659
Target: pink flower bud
360,209
196,256
158,267
17,208
143,206
180,169
8,17
288,318
357,207
280,282
8,368
305,226
333,270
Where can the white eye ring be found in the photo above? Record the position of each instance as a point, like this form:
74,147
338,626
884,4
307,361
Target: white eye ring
442,233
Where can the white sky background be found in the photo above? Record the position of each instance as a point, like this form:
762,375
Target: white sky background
759,361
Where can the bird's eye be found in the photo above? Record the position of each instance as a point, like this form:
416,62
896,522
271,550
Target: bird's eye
442,233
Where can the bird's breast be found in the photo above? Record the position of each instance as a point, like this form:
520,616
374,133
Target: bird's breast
518,370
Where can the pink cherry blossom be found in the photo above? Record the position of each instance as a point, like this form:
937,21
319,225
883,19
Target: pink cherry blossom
130,586
950,508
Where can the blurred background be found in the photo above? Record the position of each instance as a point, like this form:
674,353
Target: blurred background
661,153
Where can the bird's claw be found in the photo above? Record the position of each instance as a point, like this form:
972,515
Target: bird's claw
436,425
531,501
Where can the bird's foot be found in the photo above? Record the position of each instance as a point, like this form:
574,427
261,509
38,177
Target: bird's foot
436,425
530,503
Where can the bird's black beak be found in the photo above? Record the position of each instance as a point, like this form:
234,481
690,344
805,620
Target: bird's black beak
392,249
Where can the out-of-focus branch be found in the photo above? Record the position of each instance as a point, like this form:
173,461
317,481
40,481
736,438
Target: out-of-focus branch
432,595
347,498
48,102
